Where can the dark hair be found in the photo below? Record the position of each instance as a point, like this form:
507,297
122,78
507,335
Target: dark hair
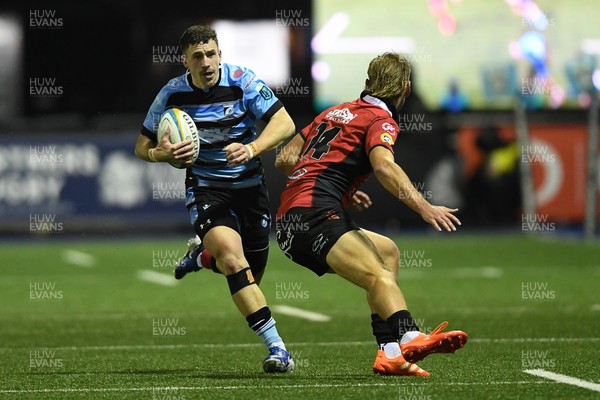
197,34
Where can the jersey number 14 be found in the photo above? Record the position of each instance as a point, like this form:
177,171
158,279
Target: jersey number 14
319,144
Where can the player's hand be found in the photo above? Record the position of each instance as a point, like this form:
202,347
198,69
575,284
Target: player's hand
440,216
176,153
237,154
360,201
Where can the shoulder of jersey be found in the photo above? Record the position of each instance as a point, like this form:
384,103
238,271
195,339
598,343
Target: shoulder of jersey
238,76
178,83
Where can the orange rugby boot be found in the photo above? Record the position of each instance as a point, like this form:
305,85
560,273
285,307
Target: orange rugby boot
396,366
436,342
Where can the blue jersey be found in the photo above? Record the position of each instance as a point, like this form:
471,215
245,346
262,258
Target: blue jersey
224,114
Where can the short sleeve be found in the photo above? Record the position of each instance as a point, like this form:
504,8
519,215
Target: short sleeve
259,98
150,127
382,132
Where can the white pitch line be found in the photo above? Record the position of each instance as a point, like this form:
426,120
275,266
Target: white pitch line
569,380
78,258
300,313
534,340
485,271
156,277
595,307
299,344
393,383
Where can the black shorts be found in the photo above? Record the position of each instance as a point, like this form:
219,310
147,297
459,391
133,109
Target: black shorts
306,235
244,210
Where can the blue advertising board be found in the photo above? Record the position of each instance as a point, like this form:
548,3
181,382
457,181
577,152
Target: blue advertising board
53,183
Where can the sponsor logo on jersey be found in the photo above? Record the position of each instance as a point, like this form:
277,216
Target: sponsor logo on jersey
250,81
297,174
344,115
386,126
237,73
264,91
387,138
213,135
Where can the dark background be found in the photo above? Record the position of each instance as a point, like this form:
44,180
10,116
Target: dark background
103,58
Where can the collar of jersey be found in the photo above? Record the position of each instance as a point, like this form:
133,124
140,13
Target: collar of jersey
385,104
188,79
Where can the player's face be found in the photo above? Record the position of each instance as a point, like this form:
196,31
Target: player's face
203,61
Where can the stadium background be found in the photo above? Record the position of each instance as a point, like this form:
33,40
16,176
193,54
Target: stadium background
78,79
89,233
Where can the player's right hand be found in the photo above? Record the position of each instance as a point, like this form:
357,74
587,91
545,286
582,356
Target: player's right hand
440,216
181,152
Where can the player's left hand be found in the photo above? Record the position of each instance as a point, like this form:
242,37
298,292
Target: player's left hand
360,201
237,154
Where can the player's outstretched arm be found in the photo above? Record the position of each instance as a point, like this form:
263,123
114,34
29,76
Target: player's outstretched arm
278,129
288,156
394,180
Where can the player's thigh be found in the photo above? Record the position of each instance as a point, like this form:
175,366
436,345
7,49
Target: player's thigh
306,235
209,208
355,258
254,215
386,248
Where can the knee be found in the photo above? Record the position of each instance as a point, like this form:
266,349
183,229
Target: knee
391,256
380,279
230,263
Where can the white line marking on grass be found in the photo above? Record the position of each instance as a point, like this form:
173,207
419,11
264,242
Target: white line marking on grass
595,307
485,271
156,277
297,312
78,258
569,380
299,344
534,340
392,383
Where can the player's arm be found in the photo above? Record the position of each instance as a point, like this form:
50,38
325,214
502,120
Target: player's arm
164,151
287,158
278,129
394,180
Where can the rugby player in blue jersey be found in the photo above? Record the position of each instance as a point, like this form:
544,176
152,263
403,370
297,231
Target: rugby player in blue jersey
226,193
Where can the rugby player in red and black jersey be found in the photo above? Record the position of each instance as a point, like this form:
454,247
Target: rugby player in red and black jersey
326,163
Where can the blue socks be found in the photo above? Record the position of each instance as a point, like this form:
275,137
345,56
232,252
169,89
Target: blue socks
263,324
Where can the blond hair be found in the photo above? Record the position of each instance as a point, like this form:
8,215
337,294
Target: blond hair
388,75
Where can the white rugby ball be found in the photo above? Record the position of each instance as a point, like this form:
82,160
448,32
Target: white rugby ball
181,127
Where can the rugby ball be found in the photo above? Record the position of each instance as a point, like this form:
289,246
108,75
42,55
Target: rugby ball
181,127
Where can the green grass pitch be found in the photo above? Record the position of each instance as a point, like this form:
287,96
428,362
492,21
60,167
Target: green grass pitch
78,322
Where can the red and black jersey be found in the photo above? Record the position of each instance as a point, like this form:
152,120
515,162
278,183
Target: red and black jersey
334,160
